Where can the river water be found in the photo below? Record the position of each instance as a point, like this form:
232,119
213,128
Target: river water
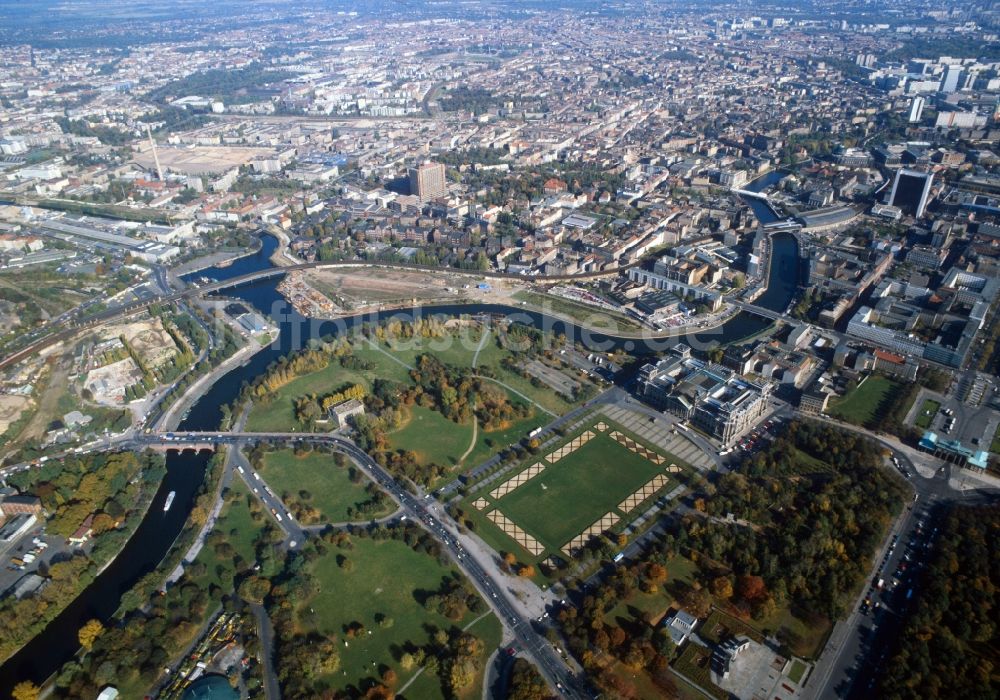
55,645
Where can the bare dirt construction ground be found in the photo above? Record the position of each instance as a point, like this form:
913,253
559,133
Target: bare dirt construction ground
355,288
149,339
48,402
373,285
108,383
11,408
201,160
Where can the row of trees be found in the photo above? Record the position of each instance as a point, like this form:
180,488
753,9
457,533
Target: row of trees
948,646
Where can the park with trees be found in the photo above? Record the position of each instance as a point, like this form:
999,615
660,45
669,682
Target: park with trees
948,646
116,489
780,547
364,612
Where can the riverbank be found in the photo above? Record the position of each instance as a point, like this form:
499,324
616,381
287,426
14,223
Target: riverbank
220,259
172,417
516,303
153,542
78,568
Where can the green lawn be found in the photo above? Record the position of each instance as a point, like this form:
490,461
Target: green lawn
488,442
390,579
332,490
806,464
928,410
720,626
995,445
570,495
577,490
438,440
796,672
805,639
434,438
859,405
638,606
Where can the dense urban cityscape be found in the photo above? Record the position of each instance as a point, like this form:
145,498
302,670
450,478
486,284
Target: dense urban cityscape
503,350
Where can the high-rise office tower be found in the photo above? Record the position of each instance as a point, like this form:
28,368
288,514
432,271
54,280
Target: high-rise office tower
916,109
427,180
910,191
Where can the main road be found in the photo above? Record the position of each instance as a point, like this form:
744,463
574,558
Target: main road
556,670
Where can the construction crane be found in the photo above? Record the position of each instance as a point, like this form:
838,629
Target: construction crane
156,158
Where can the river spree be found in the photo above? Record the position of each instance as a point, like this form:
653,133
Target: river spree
48,651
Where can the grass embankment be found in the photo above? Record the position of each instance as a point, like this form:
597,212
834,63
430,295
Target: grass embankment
610,321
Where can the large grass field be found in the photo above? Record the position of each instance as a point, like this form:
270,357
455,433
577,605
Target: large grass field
577,490
392,359
860,404
434,438
387,579
569,496
332,490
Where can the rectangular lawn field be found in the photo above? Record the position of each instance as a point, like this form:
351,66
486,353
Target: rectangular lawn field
572,494
928,410
859,405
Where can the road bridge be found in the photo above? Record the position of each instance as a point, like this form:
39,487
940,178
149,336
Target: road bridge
558,672
200,290
761,311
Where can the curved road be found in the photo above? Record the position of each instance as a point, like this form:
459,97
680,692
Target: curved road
556,671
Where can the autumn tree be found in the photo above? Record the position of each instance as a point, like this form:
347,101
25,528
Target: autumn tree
89,633
526,683
751,588
697,602
25,690
722,587
656,573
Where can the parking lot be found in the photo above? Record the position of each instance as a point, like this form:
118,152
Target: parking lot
890,593
973,426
